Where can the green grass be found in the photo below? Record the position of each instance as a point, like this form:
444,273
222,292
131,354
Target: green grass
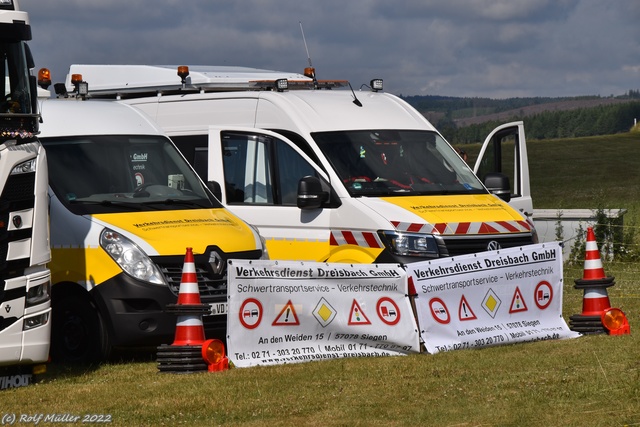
588,381
587,172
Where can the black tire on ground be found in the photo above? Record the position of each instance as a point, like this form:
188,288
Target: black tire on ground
78,334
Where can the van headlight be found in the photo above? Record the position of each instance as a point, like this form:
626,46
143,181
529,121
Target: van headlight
130,257
263,242
411,244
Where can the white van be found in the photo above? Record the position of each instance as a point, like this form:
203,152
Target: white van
325,173
125,205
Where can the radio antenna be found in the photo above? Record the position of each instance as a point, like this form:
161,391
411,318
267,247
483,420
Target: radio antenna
310,71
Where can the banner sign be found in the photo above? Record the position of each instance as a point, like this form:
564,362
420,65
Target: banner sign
490,298
289,312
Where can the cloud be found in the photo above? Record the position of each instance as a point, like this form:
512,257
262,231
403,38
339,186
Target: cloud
493,48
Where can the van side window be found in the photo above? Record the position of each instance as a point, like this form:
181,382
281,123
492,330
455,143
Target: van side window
302,144
261,170
291,167
500,157
194,148
201,162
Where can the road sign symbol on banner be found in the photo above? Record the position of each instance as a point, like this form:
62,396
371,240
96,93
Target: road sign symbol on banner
491,303
464,310
517,303
439,311
287,316
324,312
543,294
357,316
251,313
388,311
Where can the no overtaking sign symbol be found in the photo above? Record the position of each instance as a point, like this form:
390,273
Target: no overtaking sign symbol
251,313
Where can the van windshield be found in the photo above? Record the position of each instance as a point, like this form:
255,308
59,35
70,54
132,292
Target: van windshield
397,162
138,172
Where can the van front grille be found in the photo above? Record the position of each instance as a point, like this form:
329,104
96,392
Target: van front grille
462,245
212,284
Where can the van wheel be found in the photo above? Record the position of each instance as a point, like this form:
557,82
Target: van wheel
78,334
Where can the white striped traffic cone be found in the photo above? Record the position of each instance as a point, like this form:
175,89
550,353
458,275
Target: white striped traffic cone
186,354
189,292
592,263
594,282
189,326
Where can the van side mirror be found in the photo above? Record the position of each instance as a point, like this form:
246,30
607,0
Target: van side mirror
215,188
498,184
310,193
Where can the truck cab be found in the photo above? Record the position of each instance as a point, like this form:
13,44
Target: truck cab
24,229
325,173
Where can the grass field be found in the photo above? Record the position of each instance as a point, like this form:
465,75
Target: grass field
588,381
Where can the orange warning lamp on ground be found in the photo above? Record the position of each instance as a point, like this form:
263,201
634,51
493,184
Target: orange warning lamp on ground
213,354
615,321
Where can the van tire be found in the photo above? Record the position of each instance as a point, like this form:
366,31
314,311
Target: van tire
78,334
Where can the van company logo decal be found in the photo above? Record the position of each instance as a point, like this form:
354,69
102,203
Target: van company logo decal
139,157
184,221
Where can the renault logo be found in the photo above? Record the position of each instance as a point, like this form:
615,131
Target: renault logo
216,262
493,246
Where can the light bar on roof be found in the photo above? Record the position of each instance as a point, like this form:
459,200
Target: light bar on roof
282,84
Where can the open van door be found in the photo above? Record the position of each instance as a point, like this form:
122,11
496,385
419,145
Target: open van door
504,154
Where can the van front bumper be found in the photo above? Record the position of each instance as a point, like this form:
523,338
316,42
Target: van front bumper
135,313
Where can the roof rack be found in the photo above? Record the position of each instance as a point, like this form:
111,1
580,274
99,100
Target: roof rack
126,81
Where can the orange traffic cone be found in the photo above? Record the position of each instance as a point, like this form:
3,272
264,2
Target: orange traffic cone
185,354
189,292
594,282
592,263
189,327
596,307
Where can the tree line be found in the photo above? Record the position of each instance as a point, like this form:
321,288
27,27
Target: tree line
600,120
465,107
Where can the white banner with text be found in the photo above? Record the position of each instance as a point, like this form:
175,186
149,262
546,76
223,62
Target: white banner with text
490,298
289,312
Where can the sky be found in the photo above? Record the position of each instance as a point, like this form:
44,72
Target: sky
464,48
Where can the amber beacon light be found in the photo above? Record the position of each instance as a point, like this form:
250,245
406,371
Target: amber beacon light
213,353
